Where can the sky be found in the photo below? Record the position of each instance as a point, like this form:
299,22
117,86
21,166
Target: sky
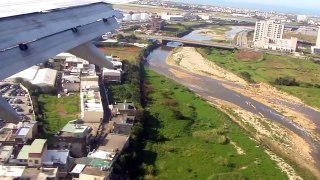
293,6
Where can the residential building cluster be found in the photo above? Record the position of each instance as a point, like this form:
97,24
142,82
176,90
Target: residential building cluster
269,35
84,148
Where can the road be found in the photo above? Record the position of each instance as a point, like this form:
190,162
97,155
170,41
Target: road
242,39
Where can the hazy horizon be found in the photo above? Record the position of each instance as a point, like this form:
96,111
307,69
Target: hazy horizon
296,6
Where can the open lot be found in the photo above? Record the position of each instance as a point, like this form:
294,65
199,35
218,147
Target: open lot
18,99
129,53
269,68
187,138
59,111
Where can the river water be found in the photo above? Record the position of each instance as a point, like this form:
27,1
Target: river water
211,89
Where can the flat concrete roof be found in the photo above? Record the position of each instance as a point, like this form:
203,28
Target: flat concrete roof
23,131
5,152
113,142
27,74
75,129
11,171
24,152
78,168
45,76
53,156
37,145
94,171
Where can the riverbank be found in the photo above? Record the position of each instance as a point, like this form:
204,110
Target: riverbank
185,137
189,59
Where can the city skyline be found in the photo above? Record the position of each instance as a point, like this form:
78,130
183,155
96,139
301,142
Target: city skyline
295,6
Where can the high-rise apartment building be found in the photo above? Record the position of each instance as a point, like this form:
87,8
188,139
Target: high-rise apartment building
318,38
316,49
268,29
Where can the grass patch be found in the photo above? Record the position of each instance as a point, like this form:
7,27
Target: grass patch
301,37
195,144
129,53
58,111
271,67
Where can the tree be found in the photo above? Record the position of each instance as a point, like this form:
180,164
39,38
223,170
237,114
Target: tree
286,81
19,80
120,36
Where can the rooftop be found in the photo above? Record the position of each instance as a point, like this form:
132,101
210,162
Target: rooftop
37,145
5,152
100,163
78,168
23,131
125,106
114,142
39,174
11,171
45,76
94,171
122,119
55,156
77,130
27,74
24,152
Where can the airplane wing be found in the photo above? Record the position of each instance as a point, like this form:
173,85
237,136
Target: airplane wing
31,31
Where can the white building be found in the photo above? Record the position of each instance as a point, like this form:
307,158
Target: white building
287,45
268,35
91,105
27,74
36,76
136,17
45,77
145,17
268,29
302,18
172,17
127,17
316,49
111,75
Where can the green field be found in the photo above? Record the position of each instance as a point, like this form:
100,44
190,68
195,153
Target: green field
58,111
129,53
270,67
181,29
187,138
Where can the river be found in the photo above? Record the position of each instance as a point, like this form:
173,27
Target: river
211,89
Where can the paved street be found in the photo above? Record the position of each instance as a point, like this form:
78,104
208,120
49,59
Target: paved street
242,39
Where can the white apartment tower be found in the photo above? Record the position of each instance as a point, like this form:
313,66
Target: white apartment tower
318,38
268,29
316,49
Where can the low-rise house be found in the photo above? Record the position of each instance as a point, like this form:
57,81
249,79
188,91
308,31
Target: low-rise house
5,153
90,168
75,137
40,174
124,108
37,151
7,136
117,65
59,159
113,145
23,156
32,155
11,172
91,105
121,124
110,75
26,132
93,173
